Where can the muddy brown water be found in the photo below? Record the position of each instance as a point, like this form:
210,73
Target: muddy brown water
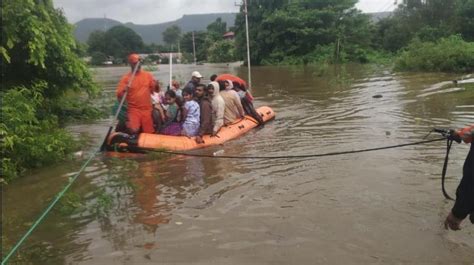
375,207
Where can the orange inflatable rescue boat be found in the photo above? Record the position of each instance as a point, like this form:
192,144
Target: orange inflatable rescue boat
146,141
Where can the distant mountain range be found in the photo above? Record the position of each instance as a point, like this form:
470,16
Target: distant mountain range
153,33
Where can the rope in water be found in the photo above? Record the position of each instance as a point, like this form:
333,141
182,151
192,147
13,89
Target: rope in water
48,209
293,156
73,179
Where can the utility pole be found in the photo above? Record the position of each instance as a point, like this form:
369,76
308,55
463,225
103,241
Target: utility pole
171,69
248,43
194,50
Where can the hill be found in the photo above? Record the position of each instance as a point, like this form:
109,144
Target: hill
151,33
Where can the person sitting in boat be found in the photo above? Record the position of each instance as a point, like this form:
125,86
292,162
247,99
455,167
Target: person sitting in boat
159,107
218,106
213,77
240,86
233,78
233,108
175,86
246,99
205,107
229,86
191,114
139,117
195,80
172,124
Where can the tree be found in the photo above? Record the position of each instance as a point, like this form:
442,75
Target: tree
38,44
217,28
465,19
428,20
222,51
202,43
118,42
121,41
282,29
171,35
97,42
257,11
39,65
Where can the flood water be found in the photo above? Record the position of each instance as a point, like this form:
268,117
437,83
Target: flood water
375,207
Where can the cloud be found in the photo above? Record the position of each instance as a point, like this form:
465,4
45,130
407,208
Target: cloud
158,11
371,6
141,11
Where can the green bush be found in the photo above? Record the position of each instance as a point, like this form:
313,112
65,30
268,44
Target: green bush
324,54
27,140
451,54
44,84
320,54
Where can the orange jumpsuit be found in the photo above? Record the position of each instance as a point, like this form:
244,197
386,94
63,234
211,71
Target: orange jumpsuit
138,100
466,134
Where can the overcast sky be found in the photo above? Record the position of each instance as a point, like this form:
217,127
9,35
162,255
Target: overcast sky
158,11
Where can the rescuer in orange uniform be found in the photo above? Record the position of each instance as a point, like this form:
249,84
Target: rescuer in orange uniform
464,204
139,112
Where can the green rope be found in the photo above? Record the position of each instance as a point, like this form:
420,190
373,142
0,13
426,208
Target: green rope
71,181
48,209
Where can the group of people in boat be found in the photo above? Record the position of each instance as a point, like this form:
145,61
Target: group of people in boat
195,110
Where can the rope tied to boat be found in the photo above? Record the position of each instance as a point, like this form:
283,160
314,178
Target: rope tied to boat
83,167
290,156
49,208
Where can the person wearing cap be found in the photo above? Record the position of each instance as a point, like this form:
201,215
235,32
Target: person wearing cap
139,112
195,80
464,204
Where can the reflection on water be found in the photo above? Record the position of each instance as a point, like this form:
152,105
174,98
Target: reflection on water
381,206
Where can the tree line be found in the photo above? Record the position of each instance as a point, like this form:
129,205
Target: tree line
315,31
120,40
320,31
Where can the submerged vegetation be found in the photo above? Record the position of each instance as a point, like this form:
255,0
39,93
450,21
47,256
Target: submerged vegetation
31,136
451,54
44,84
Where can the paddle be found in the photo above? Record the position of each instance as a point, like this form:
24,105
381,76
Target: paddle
104,144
